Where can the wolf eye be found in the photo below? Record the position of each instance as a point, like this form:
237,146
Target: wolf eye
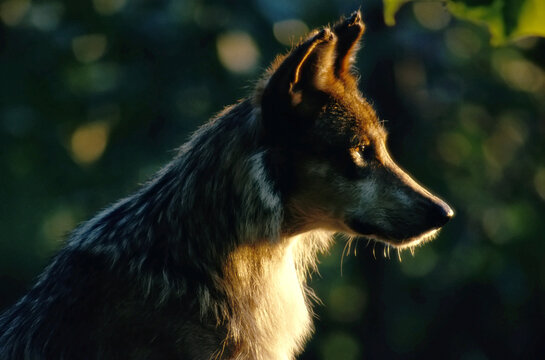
365,151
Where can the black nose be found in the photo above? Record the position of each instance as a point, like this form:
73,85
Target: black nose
439,213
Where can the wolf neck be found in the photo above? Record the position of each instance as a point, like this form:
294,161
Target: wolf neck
213,213
266,285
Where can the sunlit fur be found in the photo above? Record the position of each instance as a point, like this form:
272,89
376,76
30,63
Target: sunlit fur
210,258
271,302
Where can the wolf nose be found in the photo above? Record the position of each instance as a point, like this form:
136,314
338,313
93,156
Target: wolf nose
441,214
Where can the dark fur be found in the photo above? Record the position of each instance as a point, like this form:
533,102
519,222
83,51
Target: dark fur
131,283
194,265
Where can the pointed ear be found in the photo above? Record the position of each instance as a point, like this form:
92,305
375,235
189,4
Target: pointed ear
304,67
293,89
349,32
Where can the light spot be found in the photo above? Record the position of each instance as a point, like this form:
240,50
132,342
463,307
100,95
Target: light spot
108,7
492,224
517,72
289,31
57,225
13,11
500,148
526,43
237,52
431,15
47,16
539,182
410,74
462,42
89,48
505,223
89,141
453,147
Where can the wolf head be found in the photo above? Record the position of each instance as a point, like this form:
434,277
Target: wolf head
328,152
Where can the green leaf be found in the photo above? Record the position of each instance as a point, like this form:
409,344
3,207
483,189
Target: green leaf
506,19
390,9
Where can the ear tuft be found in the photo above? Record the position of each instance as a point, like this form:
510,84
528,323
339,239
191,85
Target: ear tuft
349,32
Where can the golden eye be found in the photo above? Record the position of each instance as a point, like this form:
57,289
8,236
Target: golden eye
365,151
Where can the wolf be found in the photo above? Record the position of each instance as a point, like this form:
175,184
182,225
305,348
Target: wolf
209,259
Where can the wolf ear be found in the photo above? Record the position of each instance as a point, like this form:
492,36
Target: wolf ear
305,65
291,88
349,32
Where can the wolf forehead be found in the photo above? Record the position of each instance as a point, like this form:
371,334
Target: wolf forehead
349,124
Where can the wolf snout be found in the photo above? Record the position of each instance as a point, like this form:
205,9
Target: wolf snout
439,213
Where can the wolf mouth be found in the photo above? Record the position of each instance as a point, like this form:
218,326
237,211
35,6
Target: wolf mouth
415,240
375,233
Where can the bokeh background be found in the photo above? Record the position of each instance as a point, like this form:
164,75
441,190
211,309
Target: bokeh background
96,95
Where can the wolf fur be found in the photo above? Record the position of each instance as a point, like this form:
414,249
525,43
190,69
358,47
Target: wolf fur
209,259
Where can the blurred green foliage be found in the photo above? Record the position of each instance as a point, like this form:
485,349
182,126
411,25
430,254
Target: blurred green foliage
505,19
95,95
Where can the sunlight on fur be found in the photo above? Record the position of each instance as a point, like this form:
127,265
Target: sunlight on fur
409,244
272,276
418,240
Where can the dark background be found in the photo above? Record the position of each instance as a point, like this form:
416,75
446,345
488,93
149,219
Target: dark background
96,95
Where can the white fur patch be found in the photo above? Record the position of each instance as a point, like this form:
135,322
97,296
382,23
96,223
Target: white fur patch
264,186
272,318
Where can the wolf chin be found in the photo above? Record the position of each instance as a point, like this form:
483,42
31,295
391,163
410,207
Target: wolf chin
208,260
